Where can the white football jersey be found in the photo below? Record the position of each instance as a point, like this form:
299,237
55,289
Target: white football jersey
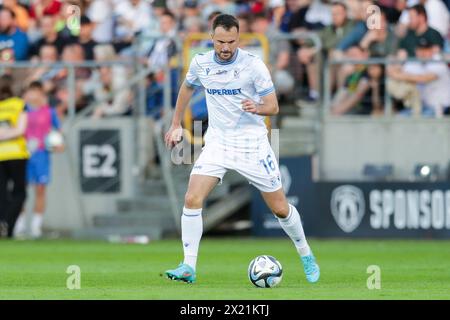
226,84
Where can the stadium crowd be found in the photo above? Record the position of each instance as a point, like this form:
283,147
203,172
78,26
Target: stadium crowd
106,30
114,35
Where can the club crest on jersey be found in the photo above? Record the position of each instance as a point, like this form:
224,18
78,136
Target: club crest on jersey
207,71
236,74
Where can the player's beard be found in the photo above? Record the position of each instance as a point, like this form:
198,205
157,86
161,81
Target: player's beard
226,57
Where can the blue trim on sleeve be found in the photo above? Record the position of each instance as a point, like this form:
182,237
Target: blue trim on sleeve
192,85
266,92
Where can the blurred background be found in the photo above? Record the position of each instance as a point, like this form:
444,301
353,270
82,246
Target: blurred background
363,133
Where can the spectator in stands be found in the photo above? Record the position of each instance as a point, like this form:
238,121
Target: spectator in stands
422,86
393,9
13,42
108,85
155,97
244,22
191,9
40,8
100,12
330,36
85,37
224,6
318,14
294,17
192,25
279,54
382,41
46,75
22,16
72,53
42,119
279,49
13,156
163,52
174,6
437,14
360,15
277,9
133,17
419,28
363,89
50,36
68,20
244,27
164,49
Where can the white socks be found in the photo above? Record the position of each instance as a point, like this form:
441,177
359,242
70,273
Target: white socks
292,225
20,227
191,233
36,225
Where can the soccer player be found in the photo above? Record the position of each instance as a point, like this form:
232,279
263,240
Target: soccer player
239,94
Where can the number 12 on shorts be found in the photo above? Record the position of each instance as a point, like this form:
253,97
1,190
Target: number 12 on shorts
268,164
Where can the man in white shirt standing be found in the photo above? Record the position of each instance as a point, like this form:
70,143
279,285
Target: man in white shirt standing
239,93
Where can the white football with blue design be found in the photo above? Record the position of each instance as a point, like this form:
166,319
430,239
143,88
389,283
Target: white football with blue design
265,271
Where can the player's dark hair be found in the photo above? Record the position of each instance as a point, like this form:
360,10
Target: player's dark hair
420,10
225,21
6,83
213,14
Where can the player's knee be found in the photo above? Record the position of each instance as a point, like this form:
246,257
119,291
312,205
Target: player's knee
281,210
193,201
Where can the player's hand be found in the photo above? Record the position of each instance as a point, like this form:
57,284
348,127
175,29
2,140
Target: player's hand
173,136
249,106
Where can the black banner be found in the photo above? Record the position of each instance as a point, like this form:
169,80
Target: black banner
358,209
100,161
408,209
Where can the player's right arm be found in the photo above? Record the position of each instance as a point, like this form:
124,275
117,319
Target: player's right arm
173,136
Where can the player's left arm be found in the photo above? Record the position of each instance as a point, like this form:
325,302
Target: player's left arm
268,106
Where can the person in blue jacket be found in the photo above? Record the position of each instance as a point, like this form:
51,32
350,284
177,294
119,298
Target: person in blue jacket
13,41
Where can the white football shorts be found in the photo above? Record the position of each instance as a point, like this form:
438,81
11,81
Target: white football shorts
259,167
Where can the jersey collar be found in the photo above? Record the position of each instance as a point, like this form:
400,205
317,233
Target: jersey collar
233,59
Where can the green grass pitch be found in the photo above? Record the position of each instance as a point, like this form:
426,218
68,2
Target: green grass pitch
37,270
